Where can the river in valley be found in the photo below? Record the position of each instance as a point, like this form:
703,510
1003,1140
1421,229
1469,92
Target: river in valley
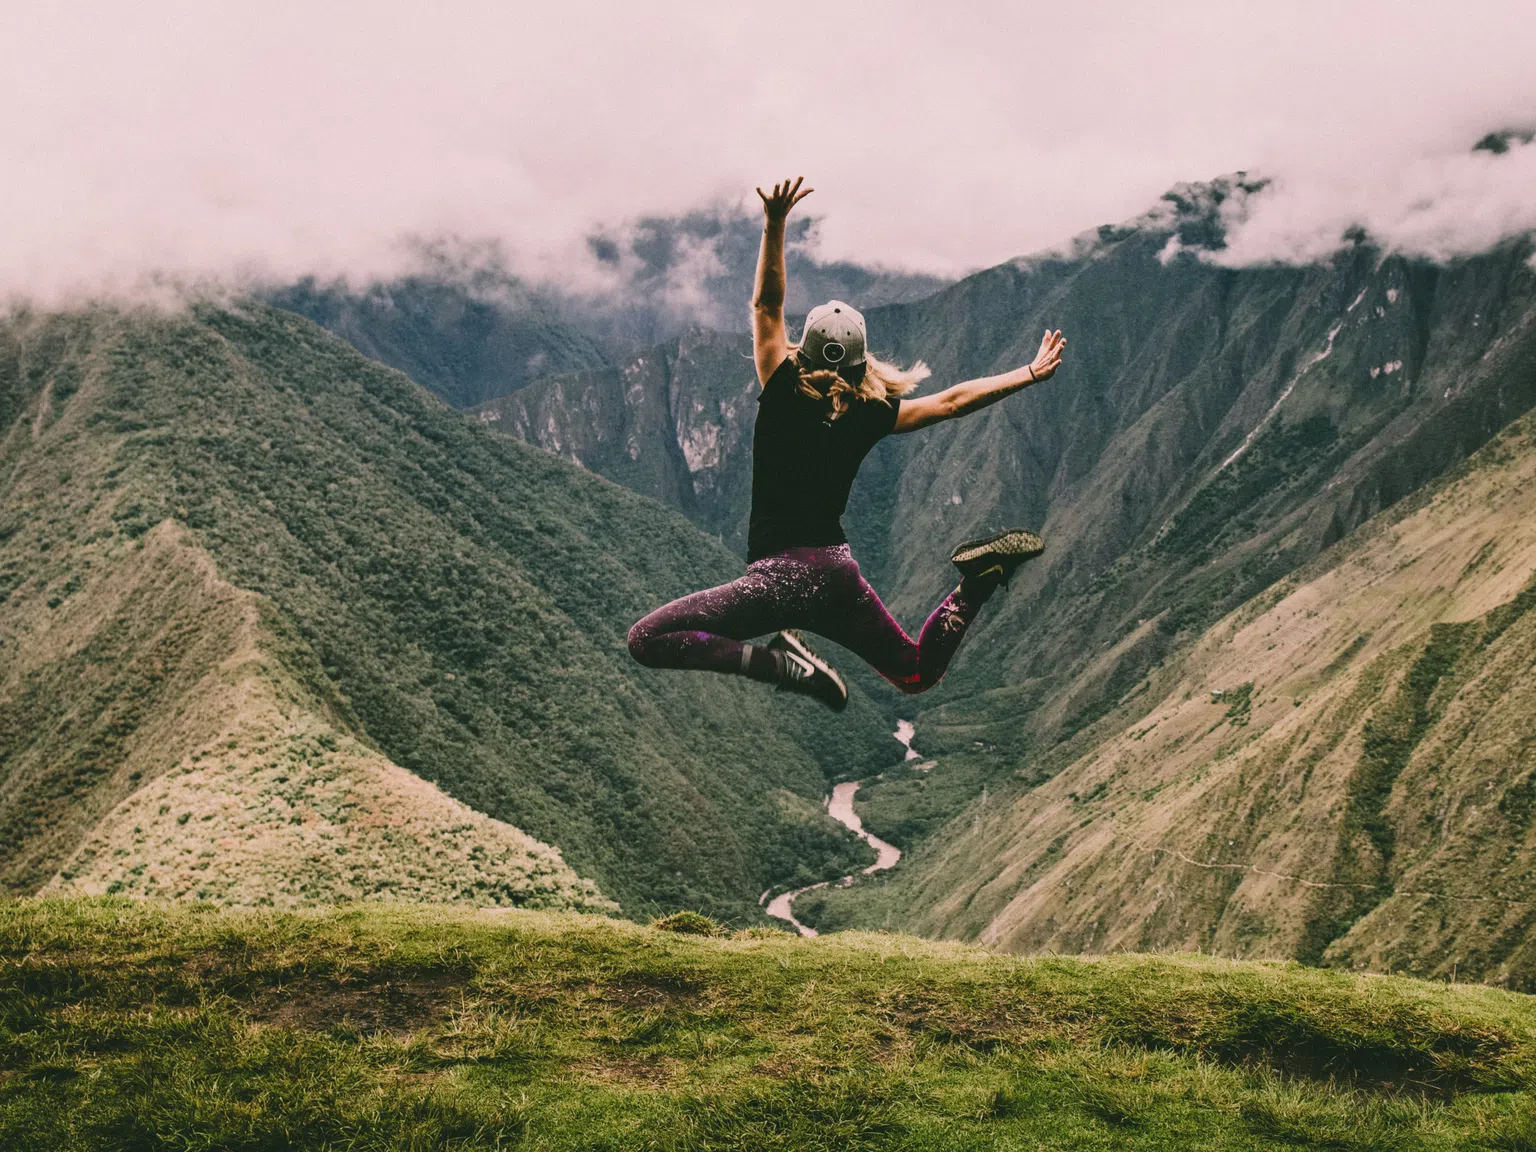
840,808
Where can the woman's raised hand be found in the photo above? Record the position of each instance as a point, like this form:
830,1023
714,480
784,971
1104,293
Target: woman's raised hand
1048,359
785,197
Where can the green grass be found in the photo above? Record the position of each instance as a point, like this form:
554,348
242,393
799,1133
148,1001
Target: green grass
128,1025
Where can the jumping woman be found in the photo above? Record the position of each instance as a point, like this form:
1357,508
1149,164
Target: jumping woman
824,404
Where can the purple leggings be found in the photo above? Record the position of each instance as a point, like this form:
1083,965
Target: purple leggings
819,590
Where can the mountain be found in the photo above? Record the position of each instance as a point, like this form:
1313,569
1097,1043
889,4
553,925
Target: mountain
1340,771
471,331
1215,430
267,600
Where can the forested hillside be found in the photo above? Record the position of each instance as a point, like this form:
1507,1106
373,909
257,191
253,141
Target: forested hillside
466,346
241,561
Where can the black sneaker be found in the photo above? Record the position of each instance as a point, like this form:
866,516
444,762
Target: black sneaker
996,555
807,673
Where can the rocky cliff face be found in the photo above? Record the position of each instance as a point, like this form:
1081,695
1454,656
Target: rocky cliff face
673,422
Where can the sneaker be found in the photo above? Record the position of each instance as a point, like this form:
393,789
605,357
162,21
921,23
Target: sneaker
807,673
996,555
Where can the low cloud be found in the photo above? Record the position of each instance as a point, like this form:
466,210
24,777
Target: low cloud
1434,207
171,141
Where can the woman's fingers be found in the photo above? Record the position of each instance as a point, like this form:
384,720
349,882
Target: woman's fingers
786,194
1049,357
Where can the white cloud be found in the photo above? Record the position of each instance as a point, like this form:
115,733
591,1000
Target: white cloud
278,139
1436,206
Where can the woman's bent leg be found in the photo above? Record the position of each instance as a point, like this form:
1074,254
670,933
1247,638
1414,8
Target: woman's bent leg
705,630
944,629
862,624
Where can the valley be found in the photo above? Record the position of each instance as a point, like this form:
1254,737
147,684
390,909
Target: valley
840,808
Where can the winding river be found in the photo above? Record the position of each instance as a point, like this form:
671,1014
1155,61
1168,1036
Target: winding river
840,808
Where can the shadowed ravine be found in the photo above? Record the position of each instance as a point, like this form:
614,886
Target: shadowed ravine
840,808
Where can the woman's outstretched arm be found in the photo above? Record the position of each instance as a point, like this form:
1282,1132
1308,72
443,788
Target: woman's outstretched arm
974,395
770,344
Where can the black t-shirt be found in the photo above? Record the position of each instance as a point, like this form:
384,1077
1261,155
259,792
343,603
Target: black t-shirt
804,462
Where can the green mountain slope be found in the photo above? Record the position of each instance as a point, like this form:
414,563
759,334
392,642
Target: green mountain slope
446,599
1340,771
141,1026
154,741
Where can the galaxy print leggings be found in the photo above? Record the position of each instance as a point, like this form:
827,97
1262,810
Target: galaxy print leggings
816,589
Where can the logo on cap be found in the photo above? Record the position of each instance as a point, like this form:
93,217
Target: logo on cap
833,352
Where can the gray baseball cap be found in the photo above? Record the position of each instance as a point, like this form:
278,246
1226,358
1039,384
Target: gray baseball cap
834,338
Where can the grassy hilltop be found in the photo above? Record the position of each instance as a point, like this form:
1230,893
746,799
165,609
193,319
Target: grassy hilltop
126,1025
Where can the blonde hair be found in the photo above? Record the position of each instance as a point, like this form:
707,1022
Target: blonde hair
882,380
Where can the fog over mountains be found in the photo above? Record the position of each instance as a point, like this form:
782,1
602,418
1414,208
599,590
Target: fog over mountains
471,330
254,576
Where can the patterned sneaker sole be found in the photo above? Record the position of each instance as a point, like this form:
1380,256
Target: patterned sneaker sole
792,641
1015,543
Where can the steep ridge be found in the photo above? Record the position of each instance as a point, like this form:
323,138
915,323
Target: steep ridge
425,598
1339,771
232,783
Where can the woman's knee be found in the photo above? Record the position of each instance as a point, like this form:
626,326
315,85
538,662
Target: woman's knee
912,684
640,637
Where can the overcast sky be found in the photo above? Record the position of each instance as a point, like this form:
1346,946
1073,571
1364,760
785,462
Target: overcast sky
278,139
